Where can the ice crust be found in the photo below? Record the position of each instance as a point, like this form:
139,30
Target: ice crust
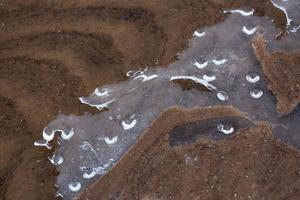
225,55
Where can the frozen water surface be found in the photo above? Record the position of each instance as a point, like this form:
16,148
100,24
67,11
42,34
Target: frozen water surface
218,58
218,128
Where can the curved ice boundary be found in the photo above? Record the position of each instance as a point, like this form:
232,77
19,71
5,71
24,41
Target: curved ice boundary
219,58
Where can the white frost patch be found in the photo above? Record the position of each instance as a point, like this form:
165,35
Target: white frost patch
146,78
48,135
242,12
97,170
200,65
88,147
219,62
42,143
104,105
196,80
256,94
251,79
98,106
209,78
74,187
67,136
127,126
199,34
89,175
226,130
56,159
98,93
59,195
295,29
111,141
249,31
134,73
222,96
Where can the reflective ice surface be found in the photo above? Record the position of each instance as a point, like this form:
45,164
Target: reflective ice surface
218,58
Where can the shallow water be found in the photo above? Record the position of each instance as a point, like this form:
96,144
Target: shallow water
219,58
218,128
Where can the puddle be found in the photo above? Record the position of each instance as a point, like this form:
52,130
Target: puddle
218,128
220,59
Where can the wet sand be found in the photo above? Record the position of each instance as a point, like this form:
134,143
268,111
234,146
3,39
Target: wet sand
53,52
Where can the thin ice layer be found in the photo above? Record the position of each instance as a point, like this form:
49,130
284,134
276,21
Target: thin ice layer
224,52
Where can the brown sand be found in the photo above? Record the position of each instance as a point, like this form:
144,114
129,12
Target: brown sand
282,70
20,165
52,52
252,164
